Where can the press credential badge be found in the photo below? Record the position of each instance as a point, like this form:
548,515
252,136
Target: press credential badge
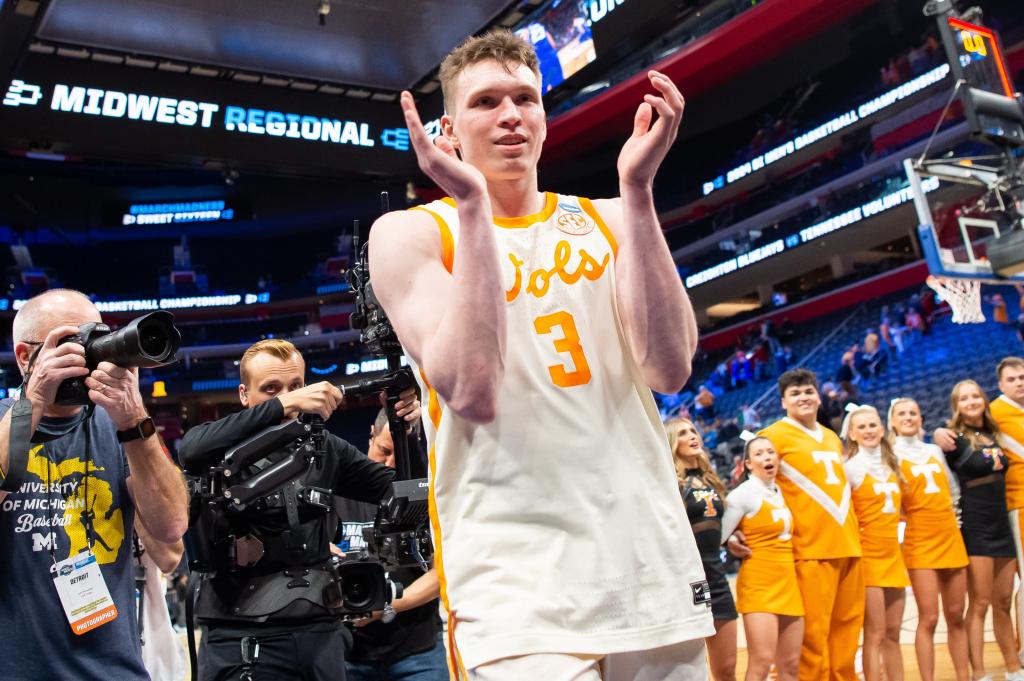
83,593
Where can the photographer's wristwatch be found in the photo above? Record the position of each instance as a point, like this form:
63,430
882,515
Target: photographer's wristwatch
389,614
145,428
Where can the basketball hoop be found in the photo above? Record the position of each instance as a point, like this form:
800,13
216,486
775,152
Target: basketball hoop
963,296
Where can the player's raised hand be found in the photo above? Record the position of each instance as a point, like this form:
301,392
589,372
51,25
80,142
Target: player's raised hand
646,148
438,160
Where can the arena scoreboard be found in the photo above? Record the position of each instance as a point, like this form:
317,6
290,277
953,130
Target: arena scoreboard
990,104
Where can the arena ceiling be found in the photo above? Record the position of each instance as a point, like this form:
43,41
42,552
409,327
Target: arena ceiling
380,44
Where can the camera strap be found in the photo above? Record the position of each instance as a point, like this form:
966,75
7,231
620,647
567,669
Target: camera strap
18,444
20,435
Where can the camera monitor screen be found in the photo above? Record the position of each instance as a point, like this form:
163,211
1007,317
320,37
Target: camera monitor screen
560,33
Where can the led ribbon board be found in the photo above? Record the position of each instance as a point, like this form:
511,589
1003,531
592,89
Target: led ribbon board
827,129
810,233
110,111
177,213
147,304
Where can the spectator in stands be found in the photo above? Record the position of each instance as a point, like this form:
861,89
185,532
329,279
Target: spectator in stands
890,338
719,380
860,363
980,466
900,331
781,364
739,370
751,419
760,360
873,472
728,430
915,323
738,471
1020,327
826,544
833,405
705,403
874,355
770,336
704,496
846,376
933,548
999,314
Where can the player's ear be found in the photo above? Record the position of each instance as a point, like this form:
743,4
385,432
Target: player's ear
448,130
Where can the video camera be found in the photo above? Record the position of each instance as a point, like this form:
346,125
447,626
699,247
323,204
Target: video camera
400,535
147,341
281,456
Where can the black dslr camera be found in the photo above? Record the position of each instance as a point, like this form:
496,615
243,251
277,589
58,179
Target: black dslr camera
147,341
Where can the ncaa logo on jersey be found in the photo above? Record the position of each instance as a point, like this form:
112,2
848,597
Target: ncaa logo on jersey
701,592
575,224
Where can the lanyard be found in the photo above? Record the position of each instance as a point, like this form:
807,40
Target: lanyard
87,516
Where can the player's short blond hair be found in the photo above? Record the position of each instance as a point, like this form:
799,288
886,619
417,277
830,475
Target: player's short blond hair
500,45
281,349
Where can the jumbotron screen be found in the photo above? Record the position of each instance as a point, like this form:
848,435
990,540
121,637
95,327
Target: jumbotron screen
560,33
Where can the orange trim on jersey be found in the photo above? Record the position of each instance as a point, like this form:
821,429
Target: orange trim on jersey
447,242
457,665
433,404
588,207
550,202
435,412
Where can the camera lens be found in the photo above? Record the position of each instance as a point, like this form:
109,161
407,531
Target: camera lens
153,339
357,591
148,341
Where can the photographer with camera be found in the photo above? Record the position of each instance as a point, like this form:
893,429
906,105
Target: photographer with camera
75,477
264,607
402,641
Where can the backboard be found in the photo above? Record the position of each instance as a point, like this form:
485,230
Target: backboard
955,224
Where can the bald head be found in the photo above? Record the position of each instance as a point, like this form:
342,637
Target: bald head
45,312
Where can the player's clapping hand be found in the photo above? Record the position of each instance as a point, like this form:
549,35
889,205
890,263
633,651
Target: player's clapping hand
438,160
646,148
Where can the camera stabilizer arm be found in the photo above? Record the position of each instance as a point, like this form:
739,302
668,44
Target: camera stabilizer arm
397,380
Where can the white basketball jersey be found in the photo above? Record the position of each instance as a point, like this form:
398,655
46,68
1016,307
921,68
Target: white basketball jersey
559,526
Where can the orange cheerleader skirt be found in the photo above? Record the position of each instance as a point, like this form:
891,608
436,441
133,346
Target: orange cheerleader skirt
933,542
768,586
882,562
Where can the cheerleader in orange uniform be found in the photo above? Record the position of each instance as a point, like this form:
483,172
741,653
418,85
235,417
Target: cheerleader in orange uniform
873,472
767,591
933,549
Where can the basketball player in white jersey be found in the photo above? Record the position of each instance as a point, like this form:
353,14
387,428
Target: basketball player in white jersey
538,324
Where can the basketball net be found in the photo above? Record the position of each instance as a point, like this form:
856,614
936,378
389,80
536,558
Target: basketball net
963,296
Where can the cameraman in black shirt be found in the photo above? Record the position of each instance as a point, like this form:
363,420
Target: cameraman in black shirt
404,640
266,619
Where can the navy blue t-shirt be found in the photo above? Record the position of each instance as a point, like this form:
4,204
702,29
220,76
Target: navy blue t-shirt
44,516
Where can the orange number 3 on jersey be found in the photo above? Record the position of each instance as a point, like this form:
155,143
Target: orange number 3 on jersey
570,342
